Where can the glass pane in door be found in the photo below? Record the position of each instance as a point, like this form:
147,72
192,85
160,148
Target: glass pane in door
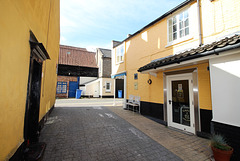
180,102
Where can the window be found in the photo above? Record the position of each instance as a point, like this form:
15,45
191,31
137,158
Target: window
61,87
178,26
108,87
120,53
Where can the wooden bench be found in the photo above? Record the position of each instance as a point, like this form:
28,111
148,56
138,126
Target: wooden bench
134,101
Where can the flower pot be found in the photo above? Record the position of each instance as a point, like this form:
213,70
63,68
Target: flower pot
222,155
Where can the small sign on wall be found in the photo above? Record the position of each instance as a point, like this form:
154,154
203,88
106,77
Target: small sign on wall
136,85
135,76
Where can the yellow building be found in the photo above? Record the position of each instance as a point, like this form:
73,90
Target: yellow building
173,64
29,48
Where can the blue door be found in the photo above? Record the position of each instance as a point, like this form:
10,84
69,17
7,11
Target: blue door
72,89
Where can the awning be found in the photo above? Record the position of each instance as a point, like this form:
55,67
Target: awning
118,75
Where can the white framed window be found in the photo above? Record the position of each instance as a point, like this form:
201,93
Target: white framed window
120,53
178,27
108,86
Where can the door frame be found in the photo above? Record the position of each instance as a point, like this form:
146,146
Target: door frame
38,54
169,79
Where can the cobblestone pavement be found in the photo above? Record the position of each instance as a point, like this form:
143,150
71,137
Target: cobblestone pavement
96,133
188,147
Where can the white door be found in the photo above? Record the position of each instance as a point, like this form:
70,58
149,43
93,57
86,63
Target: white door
180,106
96,90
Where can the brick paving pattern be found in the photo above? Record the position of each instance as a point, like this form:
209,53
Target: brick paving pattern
188,147
95,134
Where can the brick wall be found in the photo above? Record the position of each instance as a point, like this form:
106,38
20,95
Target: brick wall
65,79
107,68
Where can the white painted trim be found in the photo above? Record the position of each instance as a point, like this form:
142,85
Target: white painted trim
171,78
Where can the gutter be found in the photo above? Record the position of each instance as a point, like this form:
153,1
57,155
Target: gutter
199,23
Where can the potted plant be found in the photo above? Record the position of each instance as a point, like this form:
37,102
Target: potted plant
221,150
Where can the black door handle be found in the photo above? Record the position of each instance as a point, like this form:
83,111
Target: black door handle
170,101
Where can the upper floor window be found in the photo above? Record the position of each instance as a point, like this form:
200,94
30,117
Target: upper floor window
178,26
120,53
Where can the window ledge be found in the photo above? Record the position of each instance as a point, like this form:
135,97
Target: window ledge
119,62
179,41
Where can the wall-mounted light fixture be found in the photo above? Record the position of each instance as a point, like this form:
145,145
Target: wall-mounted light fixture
149,81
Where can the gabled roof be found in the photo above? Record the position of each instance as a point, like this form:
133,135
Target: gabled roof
76,56
225,44
106,52
186,2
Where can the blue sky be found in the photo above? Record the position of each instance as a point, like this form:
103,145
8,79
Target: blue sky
95,23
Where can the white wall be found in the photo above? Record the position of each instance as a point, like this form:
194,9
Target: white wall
225,88
86,79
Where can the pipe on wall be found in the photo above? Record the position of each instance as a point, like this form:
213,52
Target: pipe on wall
199,23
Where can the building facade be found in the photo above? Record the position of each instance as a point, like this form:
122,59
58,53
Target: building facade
74,63
103,86
29,48
179,65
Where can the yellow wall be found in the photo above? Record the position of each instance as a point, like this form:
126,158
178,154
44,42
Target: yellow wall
219,18
16,20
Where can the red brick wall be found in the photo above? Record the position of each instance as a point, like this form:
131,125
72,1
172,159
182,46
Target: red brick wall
65,79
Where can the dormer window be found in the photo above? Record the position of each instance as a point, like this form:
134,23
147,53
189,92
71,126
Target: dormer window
178,27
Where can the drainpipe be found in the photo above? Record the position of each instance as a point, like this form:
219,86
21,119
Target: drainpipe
199,23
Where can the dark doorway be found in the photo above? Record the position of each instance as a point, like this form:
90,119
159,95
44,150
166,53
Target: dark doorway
33,100
119,86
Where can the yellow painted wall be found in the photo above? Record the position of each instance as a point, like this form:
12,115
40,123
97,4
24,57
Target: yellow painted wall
16,20
219,18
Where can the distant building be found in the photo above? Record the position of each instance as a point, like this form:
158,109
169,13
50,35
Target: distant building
74,63
104,85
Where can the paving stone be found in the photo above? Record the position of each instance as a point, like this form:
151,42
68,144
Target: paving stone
97,134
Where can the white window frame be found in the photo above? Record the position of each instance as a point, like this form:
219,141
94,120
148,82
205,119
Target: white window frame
177,16
120,50
108,90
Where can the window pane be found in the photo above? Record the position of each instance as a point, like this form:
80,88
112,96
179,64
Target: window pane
64,87
108,86
181,17
170,22
186,14
174,36
170,30
170,37
186,23
122,51
187,31
174,20
174,28
181,33
121,58
180,25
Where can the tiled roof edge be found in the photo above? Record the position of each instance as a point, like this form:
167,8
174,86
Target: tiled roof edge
209,49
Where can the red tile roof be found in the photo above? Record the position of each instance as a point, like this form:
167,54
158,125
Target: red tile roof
76,56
